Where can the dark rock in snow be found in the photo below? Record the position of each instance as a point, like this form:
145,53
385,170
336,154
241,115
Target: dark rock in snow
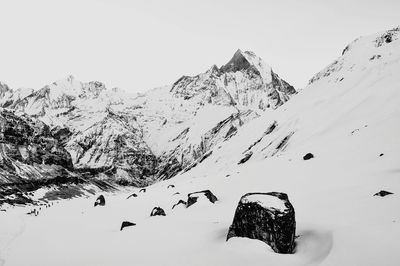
157,211
308,156
380,155
383,193
268,217
245,158
126,224
179,202
133,195
100,201
171,186
193,197
142,190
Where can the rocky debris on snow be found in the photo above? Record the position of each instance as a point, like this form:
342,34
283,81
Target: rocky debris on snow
245,158
171,186
193,197
308,156
157,211
268,217
179,202
134,195
383,193
142,190
126,224
101,201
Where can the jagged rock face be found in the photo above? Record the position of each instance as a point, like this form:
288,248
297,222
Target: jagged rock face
8,97
245,81
114,143
29,151
268,217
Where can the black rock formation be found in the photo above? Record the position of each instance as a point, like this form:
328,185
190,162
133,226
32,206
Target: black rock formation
101,201
308,156
157,211
268,217
179,202
126,224
142,190
383,193
193,197
133,195
171,186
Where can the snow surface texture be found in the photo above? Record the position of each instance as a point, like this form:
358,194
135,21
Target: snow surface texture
346,117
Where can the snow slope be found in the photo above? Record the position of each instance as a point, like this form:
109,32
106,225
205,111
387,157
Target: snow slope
347,117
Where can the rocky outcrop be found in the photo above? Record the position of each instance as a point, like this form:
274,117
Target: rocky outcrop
383,193
179,202
126,224
134,195
195,196
308,156
100,201
157,211
268,217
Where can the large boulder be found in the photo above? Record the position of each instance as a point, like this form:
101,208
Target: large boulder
101,201
194,197
268,217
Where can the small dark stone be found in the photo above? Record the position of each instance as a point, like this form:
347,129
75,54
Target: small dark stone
308,156
157,211
179,202
142,190
245,158
383,193
192,197
268,217
171,186
100,201
126,224
380,155
133,195
176,193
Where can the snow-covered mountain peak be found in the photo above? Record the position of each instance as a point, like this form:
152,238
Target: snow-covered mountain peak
246,60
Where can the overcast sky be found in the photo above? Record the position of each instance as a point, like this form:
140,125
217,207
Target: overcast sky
138,45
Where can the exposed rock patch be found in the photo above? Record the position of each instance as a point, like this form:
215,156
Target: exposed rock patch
193,197
308,156
383,193
101,201
157,211
126,224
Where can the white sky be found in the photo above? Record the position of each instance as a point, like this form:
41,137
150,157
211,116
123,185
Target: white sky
138,45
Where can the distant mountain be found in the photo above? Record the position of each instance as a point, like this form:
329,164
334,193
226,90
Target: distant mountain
137,139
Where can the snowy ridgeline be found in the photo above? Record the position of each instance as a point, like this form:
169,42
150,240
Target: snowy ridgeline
348,118
118,138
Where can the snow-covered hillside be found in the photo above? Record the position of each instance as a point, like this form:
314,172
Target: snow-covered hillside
348,117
